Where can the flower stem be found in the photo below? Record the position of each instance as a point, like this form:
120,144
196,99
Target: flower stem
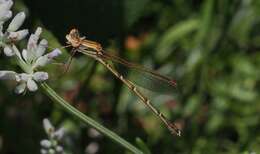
87,120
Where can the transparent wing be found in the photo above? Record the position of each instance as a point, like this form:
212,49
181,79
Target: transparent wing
144,77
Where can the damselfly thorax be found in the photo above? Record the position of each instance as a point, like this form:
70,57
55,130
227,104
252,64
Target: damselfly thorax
95,50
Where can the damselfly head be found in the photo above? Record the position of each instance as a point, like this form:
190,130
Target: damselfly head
74,38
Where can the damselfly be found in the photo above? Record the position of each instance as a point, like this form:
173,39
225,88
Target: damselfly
95,50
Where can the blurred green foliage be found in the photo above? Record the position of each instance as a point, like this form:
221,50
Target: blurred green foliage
210,47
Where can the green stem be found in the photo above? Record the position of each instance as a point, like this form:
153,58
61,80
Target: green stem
87,120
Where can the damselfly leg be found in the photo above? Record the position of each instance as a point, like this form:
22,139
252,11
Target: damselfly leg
94,50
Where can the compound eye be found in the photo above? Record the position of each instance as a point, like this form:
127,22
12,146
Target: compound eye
75,33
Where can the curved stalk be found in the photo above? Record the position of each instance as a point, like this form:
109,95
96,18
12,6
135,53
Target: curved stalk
87,120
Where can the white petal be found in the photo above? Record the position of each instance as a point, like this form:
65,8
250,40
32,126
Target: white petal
44,151
5,12
8,51
51,151
6,4
59,149
59,133
93,133
24,77
8,75
16,22
42,61
38,31
32,44
40,76
92,147
24,53
41,47
19,35
56,52
49,129
5,15
20,88
31,85
45,143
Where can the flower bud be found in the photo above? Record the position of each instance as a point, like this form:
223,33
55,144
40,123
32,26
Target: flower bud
20,88
43,151
7,75
92,148
40,76
5,15
48,126
56,52
51,151
8,51
24,76
45,143
16,22
6,5
38,31
59,149
32,44
31,85
41,47
59,133
42,61
19,35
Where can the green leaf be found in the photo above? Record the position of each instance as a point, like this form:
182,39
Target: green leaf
205,21
172,35
242,24
142,145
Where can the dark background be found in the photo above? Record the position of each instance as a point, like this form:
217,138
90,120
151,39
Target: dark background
210,47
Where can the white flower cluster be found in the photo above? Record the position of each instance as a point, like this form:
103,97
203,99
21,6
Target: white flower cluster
50,145
11,35
31,58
